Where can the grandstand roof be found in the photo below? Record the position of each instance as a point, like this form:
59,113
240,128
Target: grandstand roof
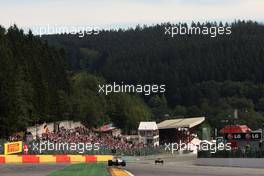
181,123
147,126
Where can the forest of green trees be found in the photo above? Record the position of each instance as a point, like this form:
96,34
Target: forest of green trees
56,77
36,86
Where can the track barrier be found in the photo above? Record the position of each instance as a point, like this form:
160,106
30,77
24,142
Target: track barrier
16,159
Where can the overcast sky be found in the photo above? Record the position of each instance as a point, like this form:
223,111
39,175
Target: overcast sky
125,13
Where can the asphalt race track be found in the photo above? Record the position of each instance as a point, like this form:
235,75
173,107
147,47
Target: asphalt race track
175,169
183,166
178,166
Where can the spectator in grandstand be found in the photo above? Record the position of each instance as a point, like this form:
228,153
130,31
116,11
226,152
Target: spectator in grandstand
84,135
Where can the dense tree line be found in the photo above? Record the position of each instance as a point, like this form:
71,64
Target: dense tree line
203,75
36,86
96,109
33,81
56,77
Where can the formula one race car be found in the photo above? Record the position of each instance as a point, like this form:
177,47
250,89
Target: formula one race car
158,160
117,162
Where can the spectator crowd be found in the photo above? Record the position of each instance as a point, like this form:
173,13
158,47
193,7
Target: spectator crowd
84,135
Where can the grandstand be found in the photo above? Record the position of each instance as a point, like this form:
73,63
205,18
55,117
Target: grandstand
176,130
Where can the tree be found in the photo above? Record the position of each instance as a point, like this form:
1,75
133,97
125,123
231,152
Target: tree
127,111
159,107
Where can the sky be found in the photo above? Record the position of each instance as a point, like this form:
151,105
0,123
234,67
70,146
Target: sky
109,14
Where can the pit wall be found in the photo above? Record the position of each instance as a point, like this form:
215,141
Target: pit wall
231,162
16,159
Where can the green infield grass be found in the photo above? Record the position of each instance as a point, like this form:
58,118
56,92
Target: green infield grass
84,169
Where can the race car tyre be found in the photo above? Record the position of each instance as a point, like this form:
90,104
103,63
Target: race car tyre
123,163
110,163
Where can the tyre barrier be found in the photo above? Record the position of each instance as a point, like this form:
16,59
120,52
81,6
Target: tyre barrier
14,159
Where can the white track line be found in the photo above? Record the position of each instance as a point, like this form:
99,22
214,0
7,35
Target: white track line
128,173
